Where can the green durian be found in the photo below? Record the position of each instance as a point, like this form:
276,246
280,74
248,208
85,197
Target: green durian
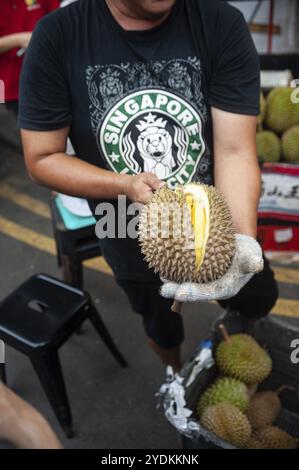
241,357
226,390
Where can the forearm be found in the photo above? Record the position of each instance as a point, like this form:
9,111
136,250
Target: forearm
22,425
75,177
49,166
9,42
237,176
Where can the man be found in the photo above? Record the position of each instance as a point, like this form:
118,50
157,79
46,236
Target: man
18,18
151,89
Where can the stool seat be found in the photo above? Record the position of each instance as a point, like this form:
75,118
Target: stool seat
36,319
75,245
40,309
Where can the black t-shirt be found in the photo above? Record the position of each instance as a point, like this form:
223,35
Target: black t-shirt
140,100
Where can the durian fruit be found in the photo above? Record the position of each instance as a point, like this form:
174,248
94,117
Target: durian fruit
252,389
224,390
282,113
264,407
261,116
241,357
268,146
290,145
228,423
272,437
253,443
187,234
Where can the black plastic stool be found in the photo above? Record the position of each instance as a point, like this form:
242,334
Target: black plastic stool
73,247
36,319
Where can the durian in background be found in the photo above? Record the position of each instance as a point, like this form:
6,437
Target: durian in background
227,422
268,146
290,145
261,116
271,437
224,390
196,248
241,357
281,113
264,407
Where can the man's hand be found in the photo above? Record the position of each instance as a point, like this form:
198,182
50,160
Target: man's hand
248,260
140,188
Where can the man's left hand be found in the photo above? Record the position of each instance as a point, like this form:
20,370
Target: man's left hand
247,261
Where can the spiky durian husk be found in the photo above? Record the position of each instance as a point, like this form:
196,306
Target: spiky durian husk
290,145
220,246
261,116
227,422
263,409
224,390
272,437
282,112
174,257
168,256
244,359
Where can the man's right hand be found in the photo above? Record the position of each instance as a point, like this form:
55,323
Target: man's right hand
140,188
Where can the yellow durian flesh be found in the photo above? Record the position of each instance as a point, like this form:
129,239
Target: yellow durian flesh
198,202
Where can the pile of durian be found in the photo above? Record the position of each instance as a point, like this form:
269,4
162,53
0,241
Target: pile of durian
232,408
278,126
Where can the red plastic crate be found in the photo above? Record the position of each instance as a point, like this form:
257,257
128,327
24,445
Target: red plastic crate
279,208
279,237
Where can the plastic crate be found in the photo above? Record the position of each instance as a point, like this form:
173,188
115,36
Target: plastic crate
276,337
278,212
279,238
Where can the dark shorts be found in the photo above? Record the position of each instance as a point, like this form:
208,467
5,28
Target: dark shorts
161,325
142,287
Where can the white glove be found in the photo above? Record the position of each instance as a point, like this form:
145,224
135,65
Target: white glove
247,261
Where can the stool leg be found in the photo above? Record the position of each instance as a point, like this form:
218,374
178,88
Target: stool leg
72,270
48,368
3,373
72,273
105,335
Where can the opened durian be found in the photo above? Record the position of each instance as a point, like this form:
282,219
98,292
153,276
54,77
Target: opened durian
187,234
241,357
227,422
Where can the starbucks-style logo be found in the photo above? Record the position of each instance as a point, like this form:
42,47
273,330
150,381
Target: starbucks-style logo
153,131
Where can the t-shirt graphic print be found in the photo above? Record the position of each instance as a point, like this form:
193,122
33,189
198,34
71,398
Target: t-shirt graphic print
150,117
